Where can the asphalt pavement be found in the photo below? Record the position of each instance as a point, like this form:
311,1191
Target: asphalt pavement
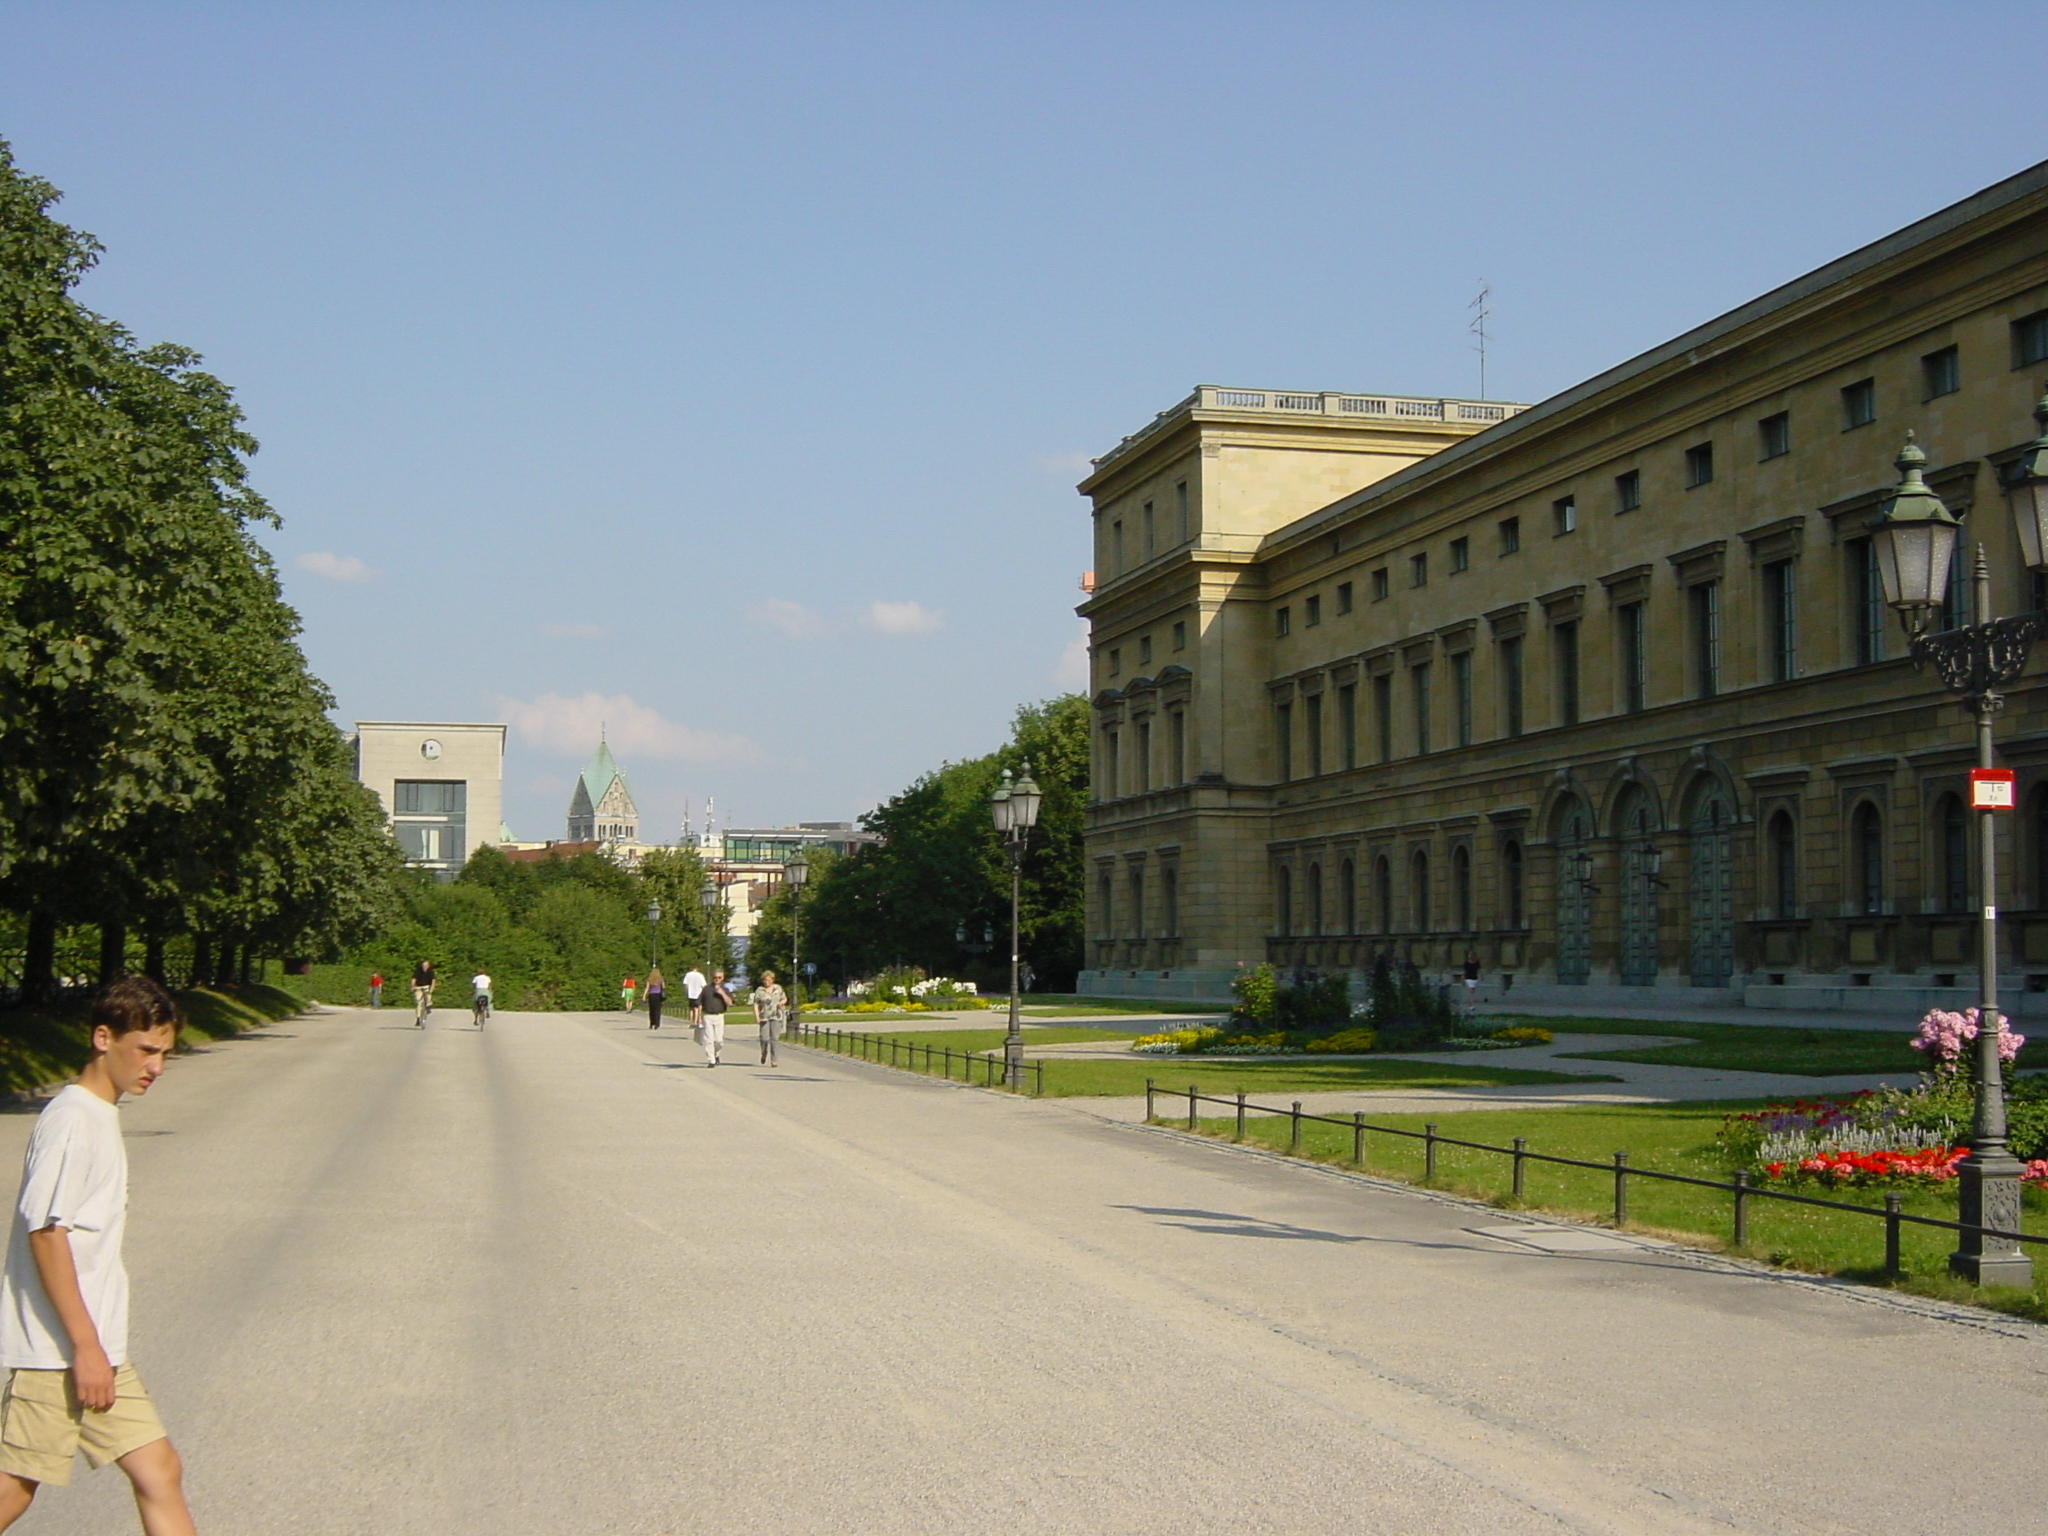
559,1277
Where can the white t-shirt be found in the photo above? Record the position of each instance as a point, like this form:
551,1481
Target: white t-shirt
694,984
480,982
76,1177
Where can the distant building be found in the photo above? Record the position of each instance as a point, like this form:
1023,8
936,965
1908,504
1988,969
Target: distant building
601,810
442,786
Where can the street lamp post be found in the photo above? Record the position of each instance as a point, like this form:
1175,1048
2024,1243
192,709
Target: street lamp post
1914,541
1014,806
796,871
653,934
712,898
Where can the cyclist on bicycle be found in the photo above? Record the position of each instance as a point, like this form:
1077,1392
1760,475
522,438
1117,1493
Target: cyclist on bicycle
480,998
422,993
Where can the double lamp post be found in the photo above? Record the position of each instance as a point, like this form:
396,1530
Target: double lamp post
1914,541
1014,805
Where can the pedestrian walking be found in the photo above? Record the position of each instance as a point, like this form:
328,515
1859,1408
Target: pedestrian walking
71,1385
376,989
1471,979
626,994
713,1002
693,989
657,990
422,993
771,1012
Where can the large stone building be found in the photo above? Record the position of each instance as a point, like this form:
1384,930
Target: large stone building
601,808
1601,692
442,786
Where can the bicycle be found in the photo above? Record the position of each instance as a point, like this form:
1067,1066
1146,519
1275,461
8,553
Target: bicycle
422,1005
480,1009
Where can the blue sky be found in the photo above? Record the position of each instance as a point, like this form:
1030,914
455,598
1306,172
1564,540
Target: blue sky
723,372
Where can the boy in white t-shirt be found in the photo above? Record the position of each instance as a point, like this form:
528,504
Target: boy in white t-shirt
64,1292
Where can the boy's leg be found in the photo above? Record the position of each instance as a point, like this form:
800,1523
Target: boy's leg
158,1477
16,1494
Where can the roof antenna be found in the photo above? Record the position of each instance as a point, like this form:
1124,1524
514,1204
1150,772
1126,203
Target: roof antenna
1478,328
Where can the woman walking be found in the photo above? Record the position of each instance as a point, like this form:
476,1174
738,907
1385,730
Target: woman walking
716,999
771,1011
657,989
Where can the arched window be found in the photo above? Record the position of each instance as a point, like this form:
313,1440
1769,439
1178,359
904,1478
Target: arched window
1418,889
1347,878
1105,901
1383,893
1169,902
1461,887
1953,827
1284,900
1511,883
1784,872
1866,836
1315,898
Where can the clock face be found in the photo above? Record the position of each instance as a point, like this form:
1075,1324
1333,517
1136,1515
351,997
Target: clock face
430,749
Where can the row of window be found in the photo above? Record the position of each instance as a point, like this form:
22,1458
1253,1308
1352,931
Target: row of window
1112,781
1182,530
1116,652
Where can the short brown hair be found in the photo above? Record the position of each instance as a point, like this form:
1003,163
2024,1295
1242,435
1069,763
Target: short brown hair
132,1003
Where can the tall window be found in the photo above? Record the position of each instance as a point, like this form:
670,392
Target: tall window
1116,545
1511,880
1347,724
1169,902
1564,514
1144,756
1137,903
2030,340
1283,738
1941,373
1283,622
1379,583
1418,681
1383,893
1699,464
1180,499
1180,635
1955,602
1418,570
1628,491
1774,436
1565,640
1312,708
1347,894
1511,684
1283,901
1461,554
1312,610
1706,638
1859,404
1105,905
1418,891
1784,866
1866,602
1461,888
1315,899
1866,836
1954,825
1635,660
1112,776
1781,615
1461,697
1344,598
1383,714
1177,745
1510,535
1149,543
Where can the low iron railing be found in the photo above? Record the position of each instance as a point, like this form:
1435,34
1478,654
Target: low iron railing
905,1055
1738,1186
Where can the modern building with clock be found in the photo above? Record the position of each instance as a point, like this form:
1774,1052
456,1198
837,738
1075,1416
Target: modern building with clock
442,786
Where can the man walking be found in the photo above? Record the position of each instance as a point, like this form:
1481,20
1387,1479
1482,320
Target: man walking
712,1004
376,989
693,993
64,1292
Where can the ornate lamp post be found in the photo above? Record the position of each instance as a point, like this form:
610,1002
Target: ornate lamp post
1914,540
796,871
1014,805
712,898
653,934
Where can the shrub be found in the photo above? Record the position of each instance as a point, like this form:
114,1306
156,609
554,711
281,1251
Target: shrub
1258,995
1523,1034
1348,1042
1176,1042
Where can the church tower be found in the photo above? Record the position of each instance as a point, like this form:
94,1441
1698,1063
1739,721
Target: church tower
602,810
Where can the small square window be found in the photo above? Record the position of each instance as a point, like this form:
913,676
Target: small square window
1461,554
1145,650
1343,597
1699,464
1180,637
2030,340
1628,491
1418,570
1116,661
1312,611
1283,621
1564,514
1379,583
1859,404
1941,373
1510,535
1774,436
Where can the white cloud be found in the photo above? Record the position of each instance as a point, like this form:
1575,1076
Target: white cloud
335,567
571,726
904,618
574,631
1079,465
793,619
1070,674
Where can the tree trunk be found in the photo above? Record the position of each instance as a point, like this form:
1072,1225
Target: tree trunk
153,959
113,951
248,961
39,965
202,959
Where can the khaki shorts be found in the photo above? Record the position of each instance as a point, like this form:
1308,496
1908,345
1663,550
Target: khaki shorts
42,1424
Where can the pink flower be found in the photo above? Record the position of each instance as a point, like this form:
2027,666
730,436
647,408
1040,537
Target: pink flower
1945,1036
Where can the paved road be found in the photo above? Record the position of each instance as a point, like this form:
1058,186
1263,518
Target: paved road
559,1278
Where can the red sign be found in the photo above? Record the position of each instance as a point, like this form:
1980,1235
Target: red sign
1990,789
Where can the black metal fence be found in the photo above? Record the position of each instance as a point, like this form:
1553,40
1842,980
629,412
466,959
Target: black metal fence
914,1055
1739,1186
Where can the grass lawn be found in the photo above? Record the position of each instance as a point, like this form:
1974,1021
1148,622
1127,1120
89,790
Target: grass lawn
1056,1005
992,1039
1766,1047
1671,1139
38,1048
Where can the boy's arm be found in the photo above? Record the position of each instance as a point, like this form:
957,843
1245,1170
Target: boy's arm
91,1372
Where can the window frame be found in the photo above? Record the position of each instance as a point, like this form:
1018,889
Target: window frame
1773,436
1628,491
1510,536
1564,516
1941,372
1699,465
1859,404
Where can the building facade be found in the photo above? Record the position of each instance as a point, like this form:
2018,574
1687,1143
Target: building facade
442,786
601,808
1602,693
